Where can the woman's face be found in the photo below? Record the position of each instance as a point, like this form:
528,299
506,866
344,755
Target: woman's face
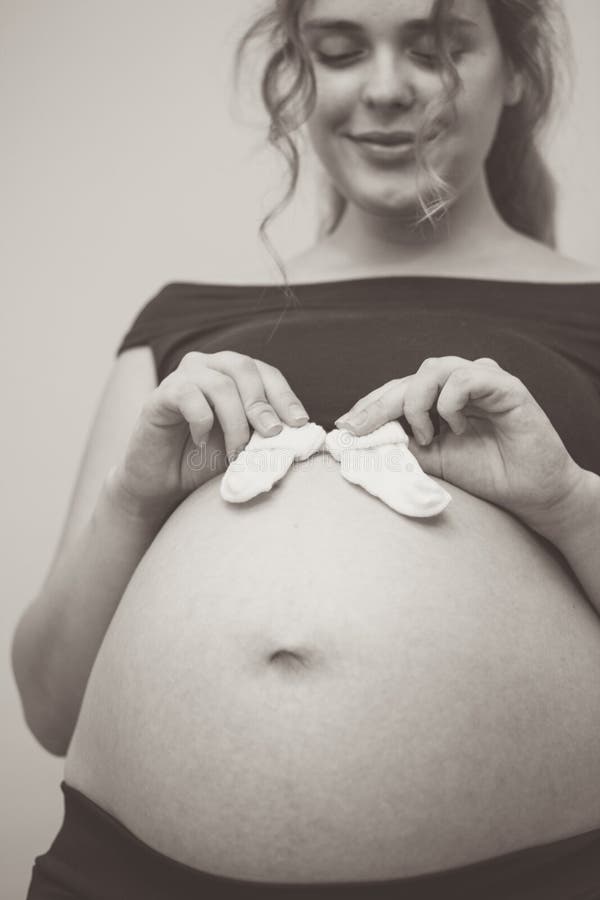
375,74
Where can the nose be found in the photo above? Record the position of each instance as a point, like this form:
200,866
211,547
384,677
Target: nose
390,82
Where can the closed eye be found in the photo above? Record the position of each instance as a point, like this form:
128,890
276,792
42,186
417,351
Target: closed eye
338,59
427,57
432,60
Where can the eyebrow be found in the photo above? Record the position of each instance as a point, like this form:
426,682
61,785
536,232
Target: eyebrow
313,25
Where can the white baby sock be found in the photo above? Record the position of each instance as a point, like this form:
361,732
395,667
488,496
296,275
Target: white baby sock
381,463
265,460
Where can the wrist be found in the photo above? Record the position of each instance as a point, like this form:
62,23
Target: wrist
150,512
574,513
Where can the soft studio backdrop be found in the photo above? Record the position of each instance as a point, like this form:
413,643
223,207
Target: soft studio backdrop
124,166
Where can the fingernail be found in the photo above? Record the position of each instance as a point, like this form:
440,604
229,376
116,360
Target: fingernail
298,413
357,420
269,422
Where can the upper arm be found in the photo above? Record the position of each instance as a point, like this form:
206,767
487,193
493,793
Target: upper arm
131,379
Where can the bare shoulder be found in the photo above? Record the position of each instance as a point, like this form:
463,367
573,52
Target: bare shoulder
530,260
563,268
542,263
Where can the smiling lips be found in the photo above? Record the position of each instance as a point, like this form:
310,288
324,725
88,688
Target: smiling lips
386,148
387,138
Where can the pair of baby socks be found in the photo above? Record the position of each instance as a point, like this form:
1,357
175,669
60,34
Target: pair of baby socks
380,462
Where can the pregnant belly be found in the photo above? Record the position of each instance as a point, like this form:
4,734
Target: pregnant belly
313,687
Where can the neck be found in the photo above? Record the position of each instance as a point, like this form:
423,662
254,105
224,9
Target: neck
471,229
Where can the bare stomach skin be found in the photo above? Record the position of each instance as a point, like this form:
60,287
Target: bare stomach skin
312,687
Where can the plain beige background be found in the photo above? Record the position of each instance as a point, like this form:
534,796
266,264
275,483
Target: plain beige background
123,168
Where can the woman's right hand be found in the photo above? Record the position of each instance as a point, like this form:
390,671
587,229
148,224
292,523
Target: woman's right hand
195,421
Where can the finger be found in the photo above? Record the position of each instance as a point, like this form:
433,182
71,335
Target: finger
266,395
364,402
486,360
414,396
243,373
491,390
197,412
420,395
281,396
222,393
366,418
423,389
178,399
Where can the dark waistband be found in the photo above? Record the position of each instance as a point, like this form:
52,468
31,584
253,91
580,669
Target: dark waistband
95,857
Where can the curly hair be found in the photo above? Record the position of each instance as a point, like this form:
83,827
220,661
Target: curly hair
533,36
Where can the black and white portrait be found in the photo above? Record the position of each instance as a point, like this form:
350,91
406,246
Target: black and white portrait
302,449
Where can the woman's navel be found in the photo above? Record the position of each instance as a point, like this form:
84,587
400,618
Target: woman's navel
291,660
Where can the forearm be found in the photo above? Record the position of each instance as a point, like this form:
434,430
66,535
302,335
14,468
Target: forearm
59,635
574,529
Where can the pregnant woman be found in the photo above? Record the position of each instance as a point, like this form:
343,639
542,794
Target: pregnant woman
310,694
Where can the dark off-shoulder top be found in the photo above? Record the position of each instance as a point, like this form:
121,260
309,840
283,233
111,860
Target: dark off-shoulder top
340,340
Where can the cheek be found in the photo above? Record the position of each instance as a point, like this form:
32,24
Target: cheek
481,103
322,127
332,117
336,98
320,136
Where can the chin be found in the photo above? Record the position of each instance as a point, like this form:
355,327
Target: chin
390,206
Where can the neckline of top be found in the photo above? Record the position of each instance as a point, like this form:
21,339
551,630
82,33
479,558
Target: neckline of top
465,279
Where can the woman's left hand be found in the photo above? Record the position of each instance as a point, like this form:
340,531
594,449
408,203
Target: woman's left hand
495,441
